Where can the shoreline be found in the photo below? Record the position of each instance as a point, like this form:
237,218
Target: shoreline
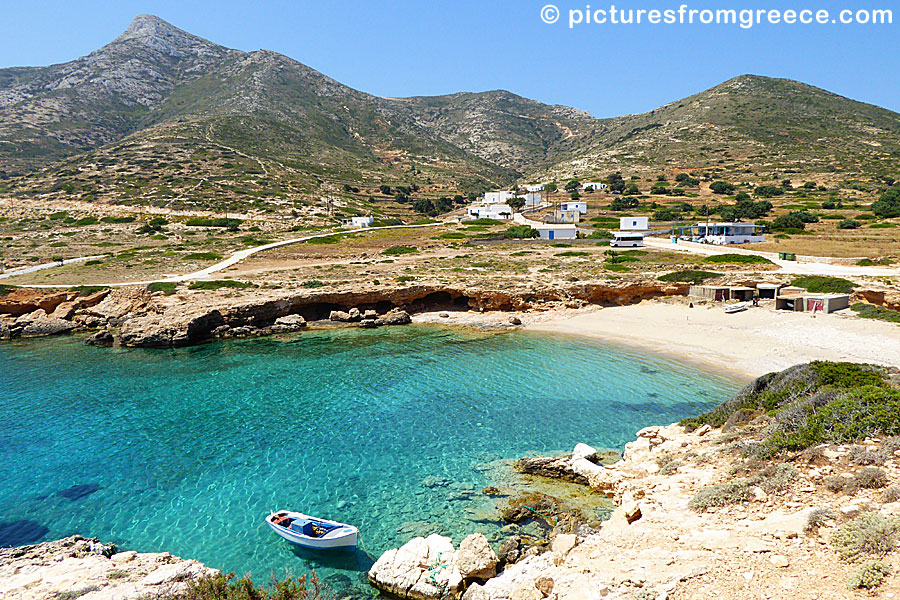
747,344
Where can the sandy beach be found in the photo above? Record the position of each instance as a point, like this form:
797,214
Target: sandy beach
749,343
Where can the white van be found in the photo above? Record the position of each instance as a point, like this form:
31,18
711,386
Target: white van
627,239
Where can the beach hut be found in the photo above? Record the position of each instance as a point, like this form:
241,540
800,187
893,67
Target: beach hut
768,290
813,303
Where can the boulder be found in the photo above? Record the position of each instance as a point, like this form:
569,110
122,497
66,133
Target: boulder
422,569
515,321
101,338
563,544
39,324
5,332
355,315
370,314
339,316
554,467
510,549
289,323
475,558
369,323
397,317
584,451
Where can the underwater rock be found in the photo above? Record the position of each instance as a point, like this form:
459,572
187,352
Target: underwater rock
101,338
77,492
23,531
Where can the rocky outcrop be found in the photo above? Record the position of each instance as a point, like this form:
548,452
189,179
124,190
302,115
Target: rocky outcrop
76,566
39,323
584,462
170,329
475,558
422,569
22,301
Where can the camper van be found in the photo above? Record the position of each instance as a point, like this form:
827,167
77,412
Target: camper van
627,239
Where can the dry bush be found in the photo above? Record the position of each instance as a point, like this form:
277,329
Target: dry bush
871,478
870,575
868,535
892,494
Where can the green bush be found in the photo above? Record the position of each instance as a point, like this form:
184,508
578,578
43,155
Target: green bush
849,224
819,284
6,289
117,220
225,587
86,221
689,276
868,535
870,311
326,239
397,250
870,575
215,284
166,287
738,259
213,222
203,256
521,232
312,284
573,253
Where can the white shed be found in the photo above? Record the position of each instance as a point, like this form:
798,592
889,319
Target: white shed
499,212
574,206
551,231
634,224
362,221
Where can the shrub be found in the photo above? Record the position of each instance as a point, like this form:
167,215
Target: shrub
224,587
892,494
326,239
86,221
869,534
870,575
573,253
819,284
849,224
521,232
203,256
117,220
869,311
688,276
773,478
397,250
215,284
836,483
213,222
600,234
313,283
405,279
871,478
166,287
738,259
819,517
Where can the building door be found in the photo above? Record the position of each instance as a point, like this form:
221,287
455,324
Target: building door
550,235
815,306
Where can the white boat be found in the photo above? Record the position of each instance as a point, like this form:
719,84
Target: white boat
312,532
733,308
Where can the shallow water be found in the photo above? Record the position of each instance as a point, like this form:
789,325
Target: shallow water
187,450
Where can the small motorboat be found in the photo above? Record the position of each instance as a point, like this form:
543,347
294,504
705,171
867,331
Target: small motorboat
312,532
735,308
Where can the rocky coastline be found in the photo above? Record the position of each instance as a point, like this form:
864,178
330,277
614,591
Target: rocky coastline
77,567
137,317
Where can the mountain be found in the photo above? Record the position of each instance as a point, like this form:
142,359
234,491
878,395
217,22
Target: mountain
161,116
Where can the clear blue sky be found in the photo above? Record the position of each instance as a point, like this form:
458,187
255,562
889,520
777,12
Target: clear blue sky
427,47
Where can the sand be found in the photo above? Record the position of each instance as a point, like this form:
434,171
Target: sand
750,343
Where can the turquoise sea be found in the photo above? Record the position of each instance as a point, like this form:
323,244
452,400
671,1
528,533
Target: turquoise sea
393,430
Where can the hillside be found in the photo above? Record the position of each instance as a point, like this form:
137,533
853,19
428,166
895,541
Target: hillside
159,116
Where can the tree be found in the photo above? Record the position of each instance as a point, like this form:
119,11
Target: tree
516,203
768,191
665,214
659,188
722,187
385,189
888,205
620,204
550,188
616,182
849,224
631,190
572,184
521,232
575,195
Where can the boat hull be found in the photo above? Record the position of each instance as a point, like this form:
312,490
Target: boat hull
343,538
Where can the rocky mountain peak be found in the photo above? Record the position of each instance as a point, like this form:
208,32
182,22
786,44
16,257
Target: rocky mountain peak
155,33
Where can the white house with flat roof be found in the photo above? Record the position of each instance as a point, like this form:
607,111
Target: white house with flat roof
556,231
499,212
532,199
500,197
358,222
593,186
535,188
634,224
723,233
580,207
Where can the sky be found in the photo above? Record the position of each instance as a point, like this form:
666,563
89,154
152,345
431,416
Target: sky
430,47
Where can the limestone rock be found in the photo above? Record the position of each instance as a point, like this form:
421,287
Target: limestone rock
397,317
101,338
289,323
412,570
339,316
170,329
563,544
370,314
354,314
476,558
39,324
583,451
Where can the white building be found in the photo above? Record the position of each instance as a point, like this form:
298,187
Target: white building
722,233
499,212
358,222
497,197
634,223
535,188
581,207
593,186
565,216
555,231
627,239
